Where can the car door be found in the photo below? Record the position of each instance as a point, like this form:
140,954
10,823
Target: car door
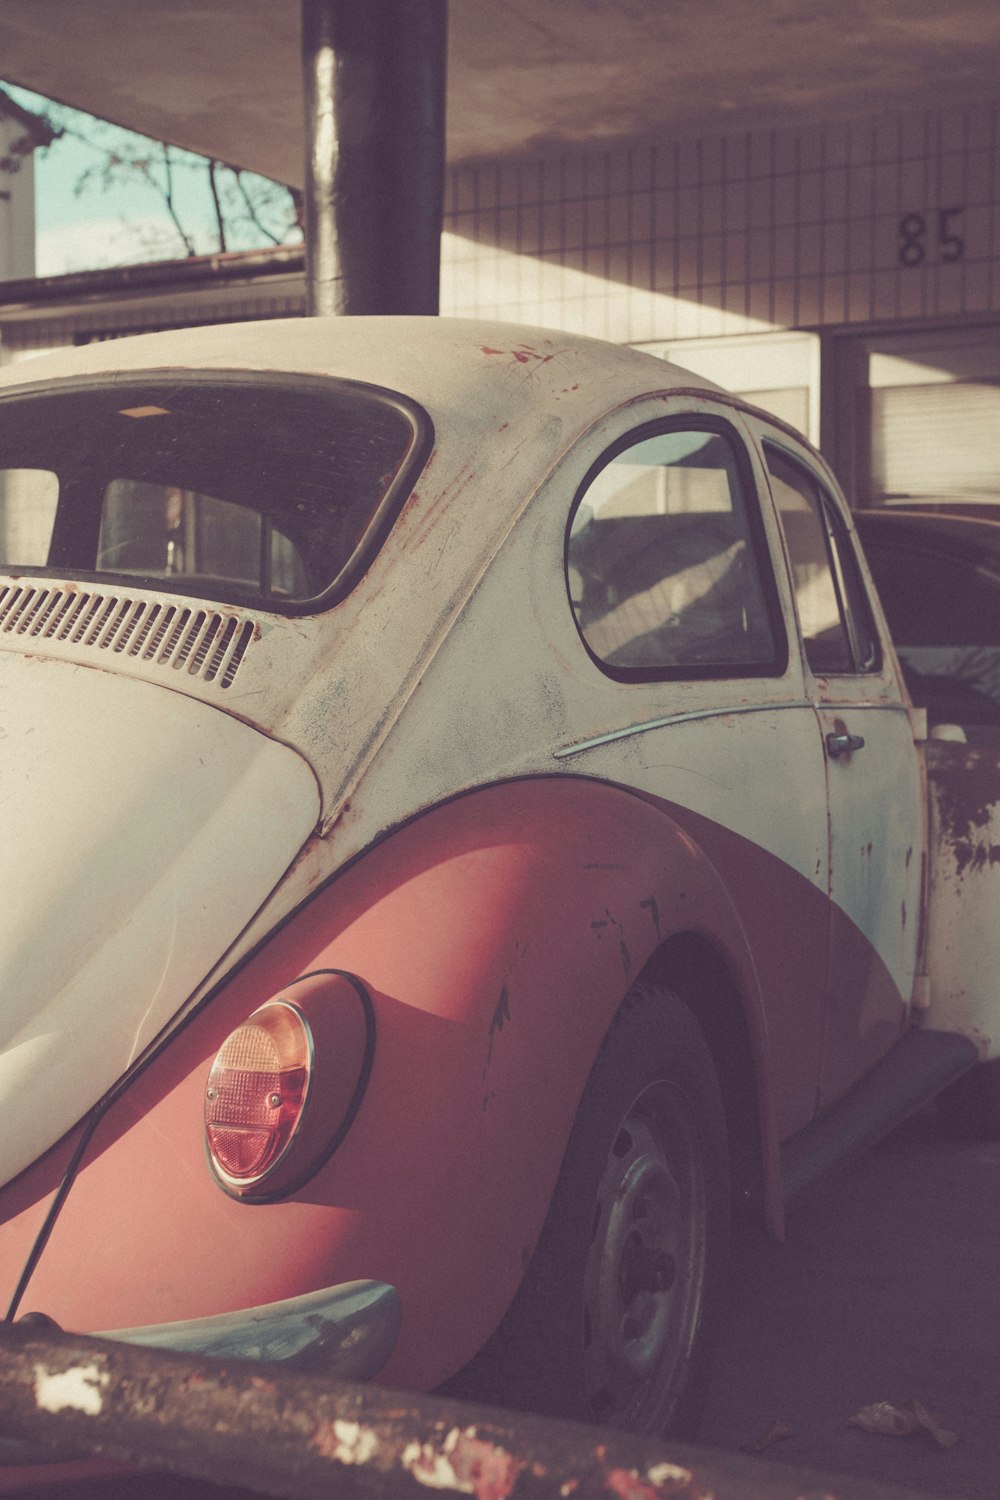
695,697
874,780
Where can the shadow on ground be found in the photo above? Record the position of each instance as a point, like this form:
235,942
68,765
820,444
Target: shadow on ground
886,1289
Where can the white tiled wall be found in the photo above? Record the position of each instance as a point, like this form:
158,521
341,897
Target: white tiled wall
735,234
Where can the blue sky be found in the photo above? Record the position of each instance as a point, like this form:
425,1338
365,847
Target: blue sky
128,221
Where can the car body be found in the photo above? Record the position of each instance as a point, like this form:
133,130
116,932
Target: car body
936,565
513,715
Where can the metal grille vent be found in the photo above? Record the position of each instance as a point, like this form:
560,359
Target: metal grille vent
204,643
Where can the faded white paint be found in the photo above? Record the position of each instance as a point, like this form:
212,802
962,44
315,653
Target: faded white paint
876,797
142,830
437,673
348,689
78,1388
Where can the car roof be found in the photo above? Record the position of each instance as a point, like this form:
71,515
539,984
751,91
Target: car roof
446,364
975,538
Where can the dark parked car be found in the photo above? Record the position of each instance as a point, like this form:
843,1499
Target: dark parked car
938,576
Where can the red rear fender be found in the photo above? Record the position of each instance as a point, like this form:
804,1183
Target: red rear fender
496,936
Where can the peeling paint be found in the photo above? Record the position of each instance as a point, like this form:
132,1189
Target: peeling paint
78,1388
464,1463
668,1474
347,1442
500,1017
249,1429
966,784
489,1470
432,1466
628,1485
660,1480
974,856
523,354
428,1465
609,921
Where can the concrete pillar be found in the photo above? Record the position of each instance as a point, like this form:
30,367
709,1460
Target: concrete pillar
374,85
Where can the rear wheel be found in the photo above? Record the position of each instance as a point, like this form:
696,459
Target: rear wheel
615,1318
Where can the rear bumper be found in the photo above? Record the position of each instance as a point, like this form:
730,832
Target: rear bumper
344,1332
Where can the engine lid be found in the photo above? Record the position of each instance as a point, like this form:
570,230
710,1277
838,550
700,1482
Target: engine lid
142,830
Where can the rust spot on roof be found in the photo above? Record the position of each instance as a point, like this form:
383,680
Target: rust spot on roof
523,354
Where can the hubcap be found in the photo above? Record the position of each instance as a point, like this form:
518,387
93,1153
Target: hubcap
645,1268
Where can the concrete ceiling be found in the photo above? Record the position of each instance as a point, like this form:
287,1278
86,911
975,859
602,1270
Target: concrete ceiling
222,76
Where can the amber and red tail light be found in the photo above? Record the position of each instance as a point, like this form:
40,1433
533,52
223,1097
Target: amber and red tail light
286,1085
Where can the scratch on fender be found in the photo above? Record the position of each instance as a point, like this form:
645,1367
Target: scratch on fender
610,921
667,765
654,911
500,1017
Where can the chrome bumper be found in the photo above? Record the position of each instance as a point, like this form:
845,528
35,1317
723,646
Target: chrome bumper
345,1332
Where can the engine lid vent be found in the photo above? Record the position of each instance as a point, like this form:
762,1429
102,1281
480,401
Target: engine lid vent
205,643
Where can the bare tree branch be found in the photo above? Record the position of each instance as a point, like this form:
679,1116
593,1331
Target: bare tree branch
168,198
220,222
247,209
251,210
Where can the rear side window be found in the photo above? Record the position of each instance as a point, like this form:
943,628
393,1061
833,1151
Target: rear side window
231,488
837,630
663,562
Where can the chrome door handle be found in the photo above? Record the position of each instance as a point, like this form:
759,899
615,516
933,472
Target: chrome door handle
843,744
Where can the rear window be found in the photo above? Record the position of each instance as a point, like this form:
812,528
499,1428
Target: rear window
229,488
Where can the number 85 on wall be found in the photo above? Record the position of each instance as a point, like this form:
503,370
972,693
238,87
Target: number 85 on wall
914,248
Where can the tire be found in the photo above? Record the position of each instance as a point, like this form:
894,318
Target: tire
971,1105
616,1315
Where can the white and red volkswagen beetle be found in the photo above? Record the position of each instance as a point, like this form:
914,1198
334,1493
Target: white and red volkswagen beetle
461,814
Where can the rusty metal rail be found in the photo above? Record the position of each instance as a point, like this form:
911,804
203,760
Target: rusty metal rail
283,1434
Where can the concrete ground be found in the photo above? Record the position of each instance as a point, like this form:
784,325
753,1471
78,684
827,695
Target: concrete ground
886,1289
